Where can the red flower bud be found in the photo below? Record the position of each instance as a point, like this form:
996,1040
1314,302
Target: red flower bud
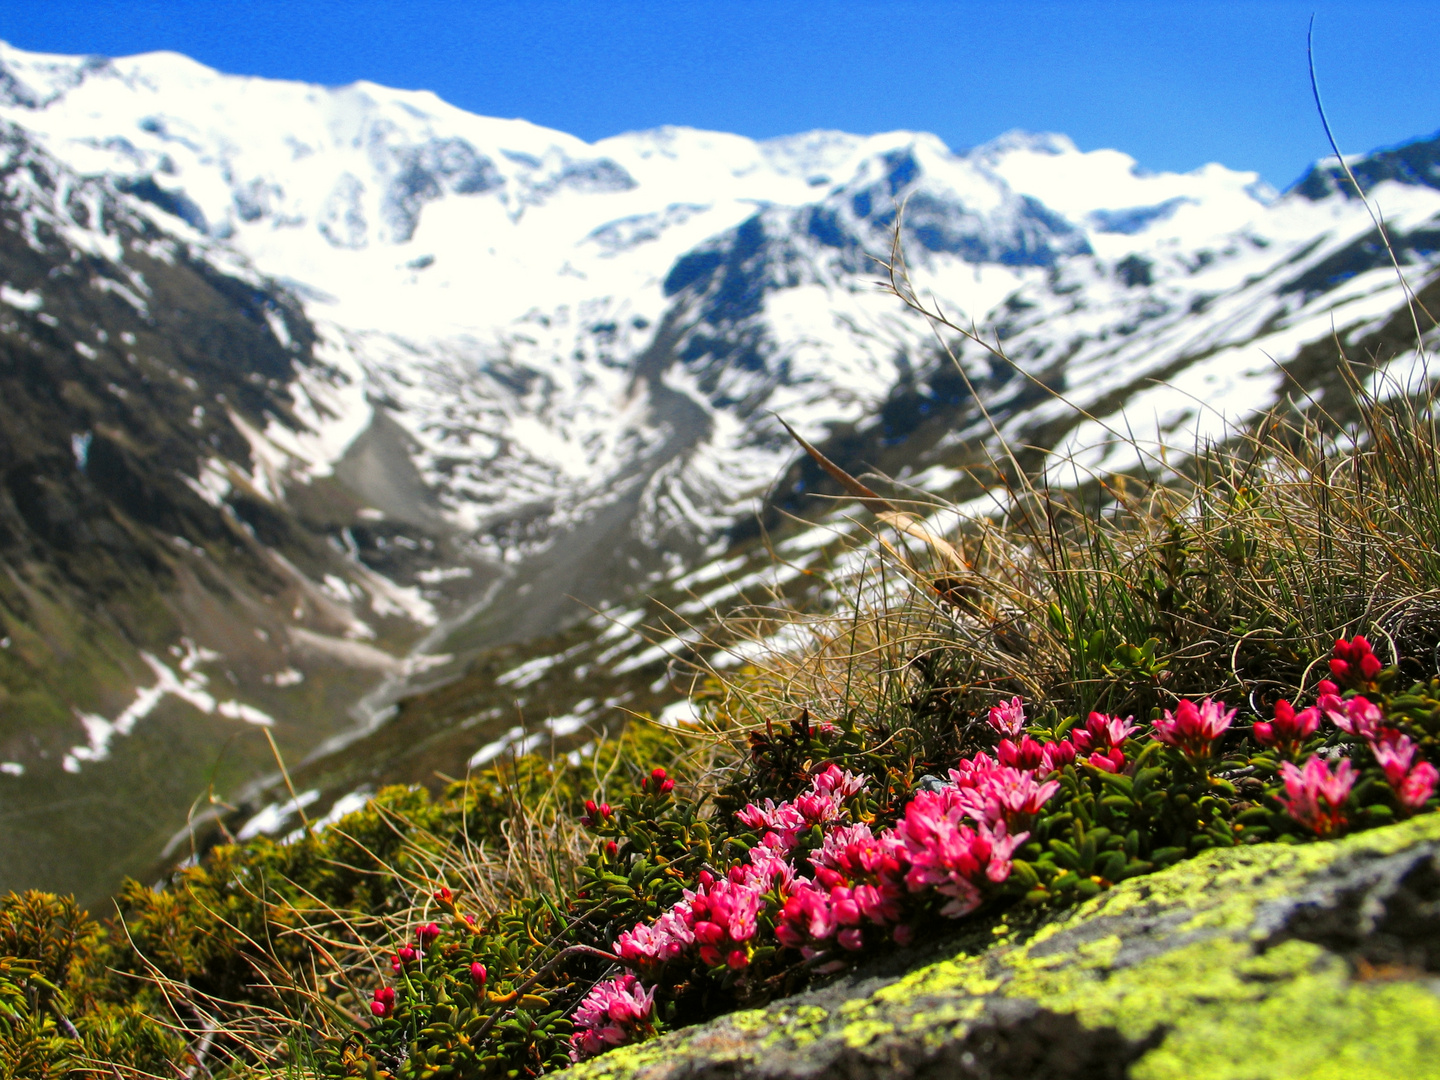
444,896
384,1003
667,787
612,849
427,933
477,973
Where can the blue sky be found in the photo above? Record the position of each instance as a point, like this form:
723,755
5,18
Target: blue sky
1174,84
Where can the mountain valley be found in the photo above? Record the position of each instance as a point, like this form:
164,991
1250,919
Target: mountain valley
412,437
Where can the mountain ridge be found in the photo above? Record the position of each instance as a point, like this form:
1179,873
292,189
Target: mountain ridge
527,378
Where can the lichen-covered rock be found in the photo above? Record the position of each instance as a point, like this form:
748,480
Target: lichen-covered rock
1264,962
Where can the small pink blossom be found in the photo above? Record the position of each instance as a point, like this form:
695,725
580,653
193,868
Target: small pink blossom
1102,732
1191,729
614,1013
833,780
403,955
1026,754
1417,787
1006,795
1358,717
478,974
426,934
969,772
1111,761
1055,756
1289,730
1008,718
1314,797
806,917
1394,752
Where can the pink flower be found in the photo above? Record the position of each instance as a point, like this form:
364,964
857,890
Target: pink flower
404,955
614,1013
595,815
655,943
1026,754
833,780
1314,797
1102,732
782,819
1006,795
426,934
971,771
384,1003
1008,718
1192,730
1358,717
1111,761
1056,755
1394,752
1417,787
953,858
1289,729
807,916
821,805
478,974
1355,661
865,870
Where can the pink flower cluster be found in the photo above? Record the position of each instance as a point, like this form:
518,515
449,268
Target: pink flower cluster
858,877
1313,795
1355,662
950,856
954,842
613,1013
1103,738
1289,730
1316,798
718,918
824,804
1192,729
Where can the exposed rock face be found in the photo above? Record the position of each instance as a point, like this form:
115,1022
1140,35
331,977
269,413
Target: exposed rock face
1263,962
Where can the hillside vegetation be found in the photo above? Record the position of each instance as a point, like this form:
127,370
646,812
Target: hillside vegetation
991,718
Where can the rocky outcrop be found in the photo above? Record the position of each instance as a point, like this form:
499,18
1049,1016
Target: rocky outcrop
1269,962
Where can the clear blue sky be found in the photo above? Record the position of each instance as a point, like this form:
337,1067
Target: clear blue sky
1174,84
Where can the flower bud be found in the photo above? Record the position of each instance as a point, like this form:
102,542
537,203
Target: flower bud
478,973
384,1003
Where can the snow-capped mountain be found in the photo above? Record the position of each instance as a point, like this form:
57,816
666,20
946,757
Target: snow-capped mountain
505,369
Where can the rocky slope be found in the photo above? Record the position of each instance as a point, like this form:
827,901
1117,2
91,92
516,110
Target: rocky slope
428,389
1262,962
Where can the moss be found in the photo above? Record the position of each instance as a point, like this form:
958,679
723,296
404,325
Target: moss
1185,965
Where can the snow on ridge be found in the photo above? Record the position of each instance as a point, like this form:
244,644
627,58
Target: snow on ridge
494,281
